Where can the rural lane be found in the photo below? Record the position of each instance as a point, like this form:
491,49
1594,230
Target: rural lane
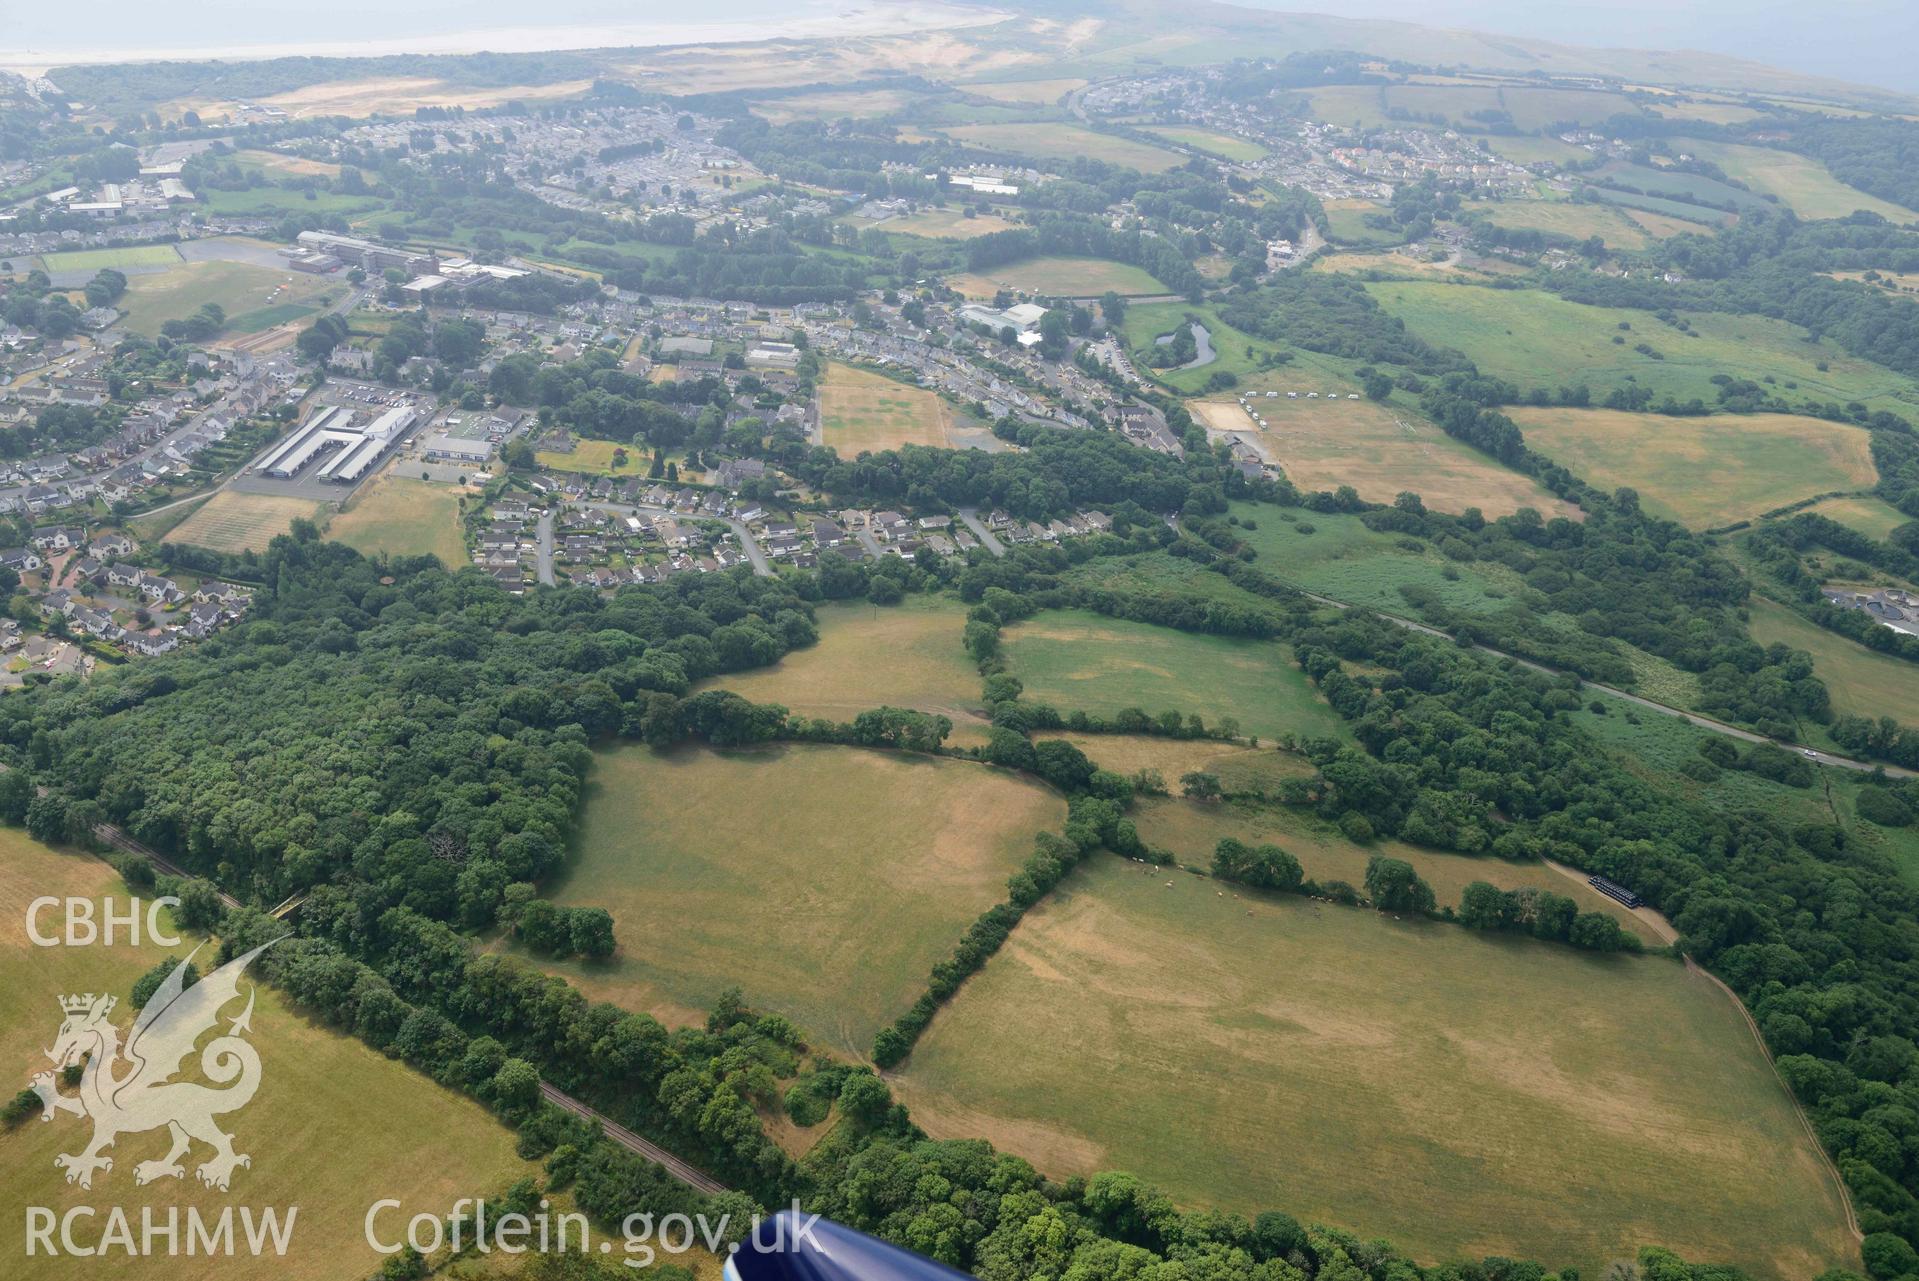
543,564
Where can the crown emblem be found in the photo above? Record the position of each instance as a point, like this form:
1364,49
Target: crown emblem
81,1004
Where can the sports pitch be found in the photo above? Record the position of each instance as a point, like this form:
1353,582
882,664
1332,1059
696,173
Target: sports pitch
863,412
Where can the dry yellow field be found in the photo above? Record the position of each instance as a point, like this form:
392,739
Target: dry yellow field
1381,451
1459,1094
400,515
947,224
235,522
1704,472
831,105
298,166
317,1148
862,412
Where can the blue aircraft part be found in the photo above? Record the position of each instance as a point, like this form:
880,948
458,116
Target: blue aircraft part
791,1246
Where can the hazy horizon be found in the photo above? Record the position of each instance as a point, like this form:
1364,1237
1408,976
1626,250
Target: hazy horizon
1863,41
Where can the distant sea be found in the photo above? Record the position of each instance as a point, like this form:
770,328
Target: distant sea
43,35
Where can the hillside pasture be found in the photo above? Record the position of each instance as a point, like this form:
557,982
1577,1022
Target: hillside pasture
232,521
398,515
832,915
403,95
862,412
1060,275
1211,141
1862,682
1566,218
1381,450
1802,184
831,105
312,1100
1873,517
867,656
1704,472
1080,661
1065,142
1536,339
1192,829
1460,1094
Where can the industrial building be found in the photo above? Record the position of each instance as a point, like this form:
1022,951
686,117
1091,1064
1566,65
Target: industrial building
367,254
355,449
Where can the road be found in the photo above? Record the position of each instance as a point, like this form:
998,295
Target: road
544,567
754,556
693,1178
969,517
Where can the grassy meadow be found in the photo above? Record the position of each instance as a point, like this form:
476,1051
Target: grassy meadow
1212,141
1802,184
126,257
314,1085
1873,517
905,655
1080,661
865,412
1456,1093
1338,556
1863,682
1191,830
822,881
1704,472
1240,768
1566,218
1536,339
403,516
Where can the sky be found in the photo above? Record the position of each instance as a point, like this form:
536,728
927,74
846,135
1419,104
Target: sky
1873,42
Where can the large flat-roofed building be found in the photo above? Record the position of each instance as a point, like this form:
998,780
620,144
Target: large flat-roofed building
367,254
355,448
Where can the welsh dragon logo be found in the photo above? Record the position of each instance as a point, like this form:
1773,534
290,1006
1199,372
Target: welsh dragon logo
127,1089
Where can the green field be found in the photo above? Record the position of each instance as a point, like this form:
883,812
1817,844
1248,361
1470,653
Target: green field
1191,830
1566,218
1530,150
1065,276
905,655
1346,224
314,1141
1211,140
1240,768
1341,558
263,201
1801,183
97,259
1704,472
1079,661
1459,1094
398,515
1066,142
1863,682
1531,108
1677,184
876,864
254,298
1536,339
1873,517
597,458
